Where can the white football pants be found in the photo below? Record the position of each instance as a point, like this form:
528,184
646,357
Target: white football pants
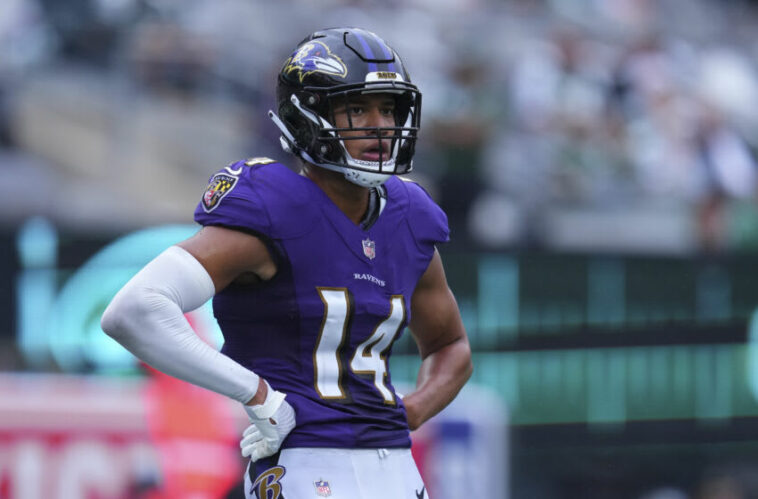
311,473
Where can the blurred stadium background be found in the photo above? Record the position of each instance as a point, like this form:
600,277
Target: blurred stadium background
597,159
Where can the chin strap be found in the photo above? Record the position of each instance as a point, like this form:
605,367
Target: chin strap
365,179
289,144
287,139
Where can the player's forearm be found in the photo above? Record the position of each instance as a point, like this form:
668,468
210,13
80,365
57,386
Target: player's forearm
147,318
440,378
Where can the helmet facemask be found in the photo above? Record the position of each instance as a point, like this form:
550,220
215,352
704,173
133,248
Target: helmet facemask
308,127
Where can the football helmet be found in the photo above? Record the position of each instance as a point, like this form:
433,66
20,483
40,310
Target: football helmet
326,70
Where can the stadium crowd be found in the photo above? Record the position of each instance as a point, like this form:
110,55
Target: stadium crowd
643,112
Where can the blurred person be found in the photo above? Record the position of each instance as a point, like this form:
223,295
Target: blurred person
315,275
659,119
729,481
665,493
464,108
662,150
729,172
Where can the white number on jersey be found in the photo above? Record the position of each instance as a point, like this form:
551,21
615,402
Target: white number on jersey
370,357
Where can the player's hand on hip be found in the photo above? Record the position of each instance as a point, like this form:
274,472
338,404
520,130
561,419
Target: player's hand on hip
271,422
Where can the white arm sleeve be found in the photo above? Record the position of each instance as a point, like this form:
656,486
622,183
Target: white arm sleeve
147,317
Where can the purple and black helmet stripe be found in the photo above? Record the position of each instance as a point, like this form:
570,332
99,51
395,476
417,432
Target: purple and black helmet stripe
380,51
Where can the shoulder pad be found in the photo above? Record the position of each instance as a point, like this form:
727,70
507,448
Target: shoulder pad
261,160
259,195
427,220
281,193
230,200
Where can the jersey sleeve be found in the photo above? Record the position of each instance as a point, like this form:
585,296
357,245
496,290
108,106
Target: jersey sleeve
231,200
426,219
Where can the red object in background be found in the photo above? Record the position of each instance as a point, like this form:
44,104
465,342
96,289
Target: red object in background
193,431
419,451
100,437
95,437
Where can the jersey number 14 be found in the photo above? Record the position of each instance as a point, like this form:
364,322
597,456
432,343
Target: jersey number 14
370,357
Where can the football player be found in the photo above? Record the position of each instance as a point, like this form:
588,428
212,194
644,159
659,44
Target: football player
313,277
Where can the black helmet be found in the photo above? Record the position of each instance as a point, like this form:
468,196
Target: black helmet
327,69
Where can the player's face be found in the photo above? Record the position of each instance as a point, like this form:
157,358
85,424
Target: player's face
370,111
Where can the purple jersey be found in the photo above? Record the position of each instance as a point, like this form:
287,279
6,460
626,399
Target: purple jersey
321,330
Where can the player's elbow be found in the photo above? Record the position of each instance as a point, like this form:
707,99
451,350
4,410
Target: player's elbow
112,320
468,364
469,371
118,320
458,358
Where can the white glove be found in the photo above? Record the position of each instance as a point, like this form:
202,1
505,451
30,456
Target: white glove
271,422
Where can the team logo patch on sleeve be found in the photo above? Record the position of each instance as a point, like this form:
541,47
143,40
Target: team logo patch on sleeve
220,185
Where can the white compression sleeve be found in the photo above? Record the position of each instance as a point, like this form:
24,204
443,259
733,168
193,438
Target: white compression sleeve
147,318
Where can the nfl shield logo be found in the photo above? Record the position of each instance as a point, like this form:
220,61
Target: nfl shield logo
369,248
322,488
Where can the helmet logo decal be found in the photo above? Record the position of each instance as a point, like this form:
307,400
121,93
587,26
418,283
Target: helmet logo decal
315,57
